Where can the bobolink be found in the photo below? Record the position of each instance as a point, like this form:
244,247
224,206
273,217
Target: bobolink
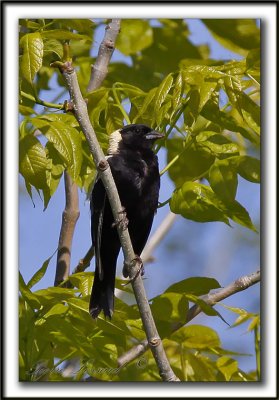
134,167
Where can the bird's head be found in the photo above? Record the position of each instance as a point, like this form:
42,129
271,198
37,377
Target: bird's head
134,136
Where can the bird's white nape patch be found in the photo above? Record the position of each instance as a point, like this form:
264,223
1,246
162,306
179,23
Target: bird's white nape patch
114,140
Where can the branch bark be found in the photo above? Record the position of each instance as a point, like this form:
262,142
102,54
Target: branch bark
240,284
100,69
69,218
80,110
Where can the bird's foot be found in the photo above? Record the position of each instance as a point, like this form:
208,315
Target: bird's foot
137,261
122,221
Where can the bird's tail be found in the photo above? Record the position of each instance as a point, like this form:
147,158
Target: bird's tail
102,295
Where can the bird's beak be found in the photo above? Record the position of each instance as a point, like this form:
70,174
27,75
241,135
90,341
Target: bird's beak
154,135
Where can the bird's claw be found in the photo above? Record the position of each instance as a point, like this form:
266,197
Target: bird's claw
138,261
122,221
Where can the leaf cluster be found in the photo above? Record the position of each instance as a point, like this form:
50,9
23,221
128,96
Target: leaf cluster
55,325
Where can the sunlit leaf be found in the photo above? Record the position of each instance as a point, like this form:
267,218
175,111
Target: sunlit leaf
227,366
33,162
39,274
66,140
135,35
196,336
197,202
238,35
197,286
223,180
32,58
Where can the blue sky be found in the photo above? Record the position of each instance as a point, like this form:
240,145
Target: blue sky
211,249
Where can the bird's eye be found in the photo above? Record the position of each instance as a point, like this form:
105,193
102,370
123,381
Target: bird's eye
137,130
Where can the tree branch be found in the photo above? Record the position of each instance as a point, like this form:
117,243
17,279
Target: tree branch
69,218
71,212
100,69
237,286
131,262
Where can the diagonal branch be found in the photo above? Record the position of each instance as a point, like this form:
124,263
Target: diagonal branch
71,211
102,165
240,284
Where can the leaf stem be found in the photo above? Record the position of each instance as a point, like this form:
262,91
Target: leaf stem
41,102
115,95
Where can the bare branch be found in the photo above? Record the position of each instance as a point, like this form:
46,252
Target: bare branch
69,218
100,69
237,286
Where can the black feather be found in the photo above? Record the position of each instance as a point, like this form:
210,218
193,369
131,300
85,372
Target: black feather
134,167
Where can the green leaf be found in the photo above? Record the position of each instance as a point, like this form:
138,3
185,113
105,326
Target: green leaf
248,167
253,64
83,281
206,308
238,35
192,160
33,162
60,34
211,112
54,295
114,117
32,58
251,112
26,110
39,274
53,46
223,180
177,93
135,35
56,310
146,103
79,303
198,202
227,366
66,140
239,214
170,44
196,337
162,92
56,169
206,91
197,286
170,307
81,25
218,144
28,296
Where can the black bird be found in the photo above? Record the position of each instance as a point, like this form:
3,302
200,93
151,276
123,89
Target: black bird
134,167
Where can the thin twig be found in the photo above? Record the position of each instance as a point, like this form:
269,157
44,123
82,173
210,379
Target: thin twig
240,284
100,69
69,218
84,262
